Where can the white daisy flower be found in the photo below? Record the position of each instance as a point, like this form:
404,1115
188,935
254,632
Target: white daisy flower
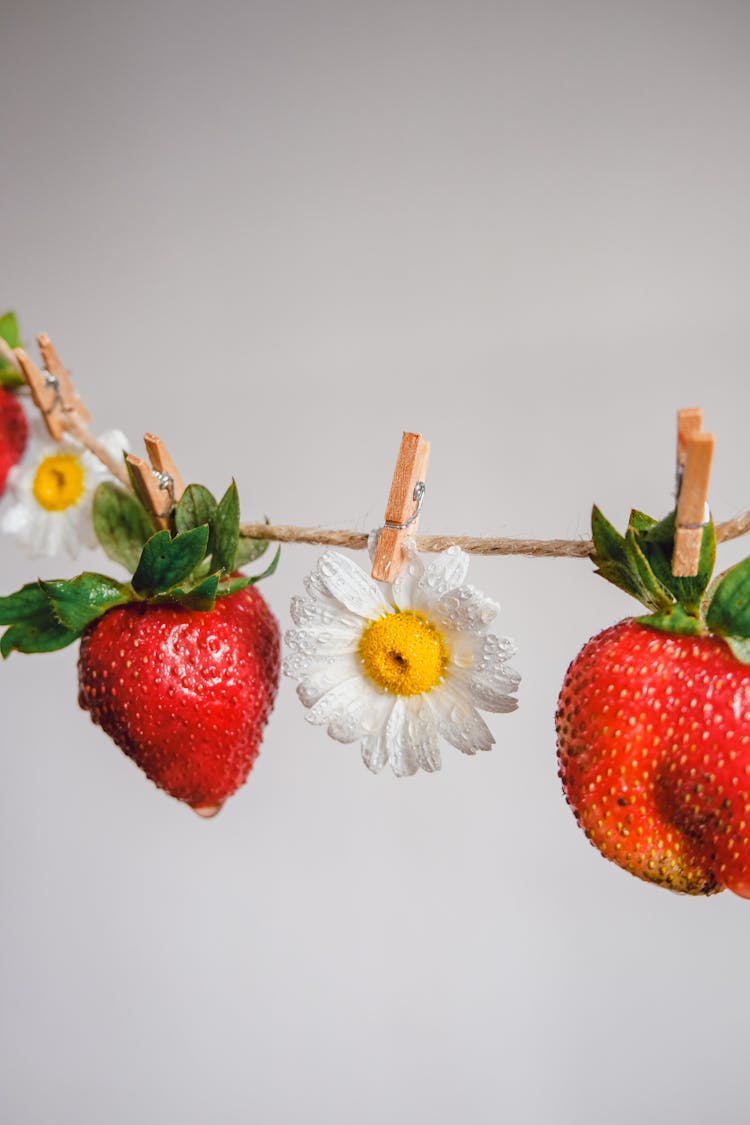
49,495
401,670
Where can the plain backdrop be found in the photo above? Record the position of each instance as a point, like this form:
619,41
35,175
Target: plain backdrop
278,234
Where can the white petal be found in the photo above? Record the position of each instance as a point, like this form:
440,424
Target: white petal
316,611
375,749
465,609
481,665
423,732
402,752
320,677
352,709
115,442
405,588
444,572
459,722
349,585
321,642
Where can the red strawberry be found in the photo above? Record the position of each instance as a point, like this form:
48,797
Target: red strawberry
185,693
653,720
654,743
14,432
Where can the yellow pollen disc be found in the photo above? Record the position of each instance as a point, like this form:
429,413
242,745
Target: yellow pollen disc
58,483
404,653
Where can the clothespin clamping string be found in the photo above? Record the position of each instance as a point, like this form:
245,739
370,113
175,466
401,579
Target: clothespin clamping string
694,455
403,508
52,390
157,481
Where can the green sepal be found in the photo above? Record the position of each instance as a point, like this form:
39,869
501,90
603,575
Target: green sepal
9,330
79,601
196,506
121,524
657,540
652,594
26,604
238,582
202,596
728,613
248,550
10,333
41,633
226,531
165,562
640,563
674,620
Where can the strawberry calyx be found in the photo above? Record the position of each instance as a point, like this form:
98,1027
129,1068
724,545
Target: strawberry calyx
9,331
192,563
640,563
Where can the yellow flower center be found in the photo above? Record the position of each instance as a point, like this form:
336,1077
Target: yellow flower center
58,483
404,653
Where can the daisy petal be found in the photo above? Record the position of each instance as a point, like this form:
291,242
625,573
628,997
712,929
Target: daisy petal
407,584
320,676
402,751
315,611
466,609
352,709
481,664
321,642
444,572
375,751
349,585
422,729
459,722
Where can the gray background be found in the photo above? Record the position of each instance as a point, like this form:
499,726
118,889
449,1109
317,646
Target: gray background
278,234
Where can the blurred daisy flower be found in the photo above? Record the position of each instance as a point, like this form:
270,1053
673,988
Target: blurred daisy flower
400,666
49,495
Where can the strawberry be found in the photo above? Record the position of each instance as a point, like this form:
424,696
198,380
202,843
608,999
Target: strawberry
184,693
180,665
653,719
14,432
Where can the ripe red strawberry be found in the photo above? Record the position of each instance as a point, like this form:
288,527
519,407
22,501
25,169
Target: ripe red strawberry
653,720
185,693
14,432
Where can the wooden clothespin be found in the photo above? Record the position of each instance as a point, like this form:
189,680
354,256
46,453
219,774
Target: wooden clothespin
404,504
157,481
694,455
52,390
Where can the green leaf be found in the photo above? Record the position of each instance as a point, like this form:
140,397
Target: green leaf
237,582
248,550
79,601
653,594
639,521
674,620
165,562
197,506
226,531
201,597
41,633
609,545
729,611
9,330
657,543
121,524
26,604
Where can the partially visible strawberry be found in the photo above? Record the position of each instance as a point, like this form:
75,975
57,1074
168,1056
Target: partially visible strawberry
14,432
184,693
653,720
180,665
654,739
